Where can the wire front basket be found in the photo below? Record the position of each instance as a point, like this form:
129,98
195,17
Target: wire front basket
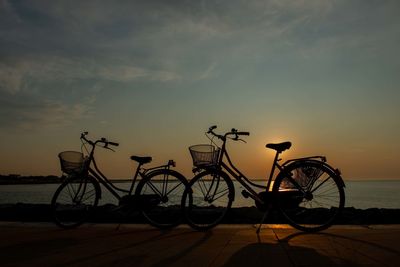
204,155
72,162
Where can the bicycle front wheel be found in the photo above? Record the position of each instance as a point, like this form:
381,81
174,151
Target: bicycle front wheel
207,199
74,200
161,193
315,207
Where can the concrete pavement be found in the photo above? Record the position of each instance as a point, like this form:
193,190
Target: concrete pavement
42,244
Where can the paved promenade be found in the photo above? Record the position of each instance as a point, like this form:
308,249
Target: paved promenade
39,244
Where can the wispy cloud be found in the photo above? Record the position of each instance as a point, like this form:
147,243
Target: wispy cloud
131,73
209,72
30,113
18,75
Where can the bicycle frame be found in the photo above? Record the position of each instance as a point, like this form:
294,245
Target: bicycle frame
101,178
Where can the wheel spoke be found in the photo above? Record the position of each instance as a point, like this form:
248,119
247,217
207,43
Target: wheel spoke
154,188
175,187
220,194
319,185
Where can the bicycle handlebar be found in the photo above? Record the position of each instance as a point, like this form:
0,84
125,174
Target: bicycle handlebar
101,140
113,143
223,137
210,130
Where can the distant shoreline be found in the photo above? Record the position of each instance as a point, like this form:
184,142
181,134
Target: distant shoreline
14,179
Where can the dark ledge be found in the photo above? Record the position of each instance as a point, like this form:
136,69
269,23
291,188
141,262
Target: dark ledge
246,215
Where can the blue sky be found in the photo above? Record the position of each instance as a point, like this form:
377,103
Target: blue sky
154,75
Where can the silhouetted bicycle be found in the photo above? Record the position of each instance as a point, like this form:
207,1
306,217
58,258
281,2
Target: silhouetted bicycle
307,191
157,195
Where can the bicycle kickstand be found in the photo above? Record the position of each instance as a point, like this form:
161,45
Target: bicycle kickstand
263,218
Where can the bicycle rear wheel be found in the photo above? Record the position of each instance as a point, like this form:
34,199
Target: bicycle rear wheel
207,199
161,193
74,199
322,200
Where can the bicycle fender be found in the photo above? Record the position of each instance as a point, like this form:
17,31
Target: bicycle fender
96,185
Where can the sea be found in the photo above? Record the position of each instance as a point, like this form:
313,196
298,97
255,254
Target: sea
359,194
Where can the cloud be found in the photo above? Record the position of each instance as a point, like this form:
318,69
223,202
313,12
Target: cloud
24,112
10,78
160,40
130,73
18,75
57,51
209,72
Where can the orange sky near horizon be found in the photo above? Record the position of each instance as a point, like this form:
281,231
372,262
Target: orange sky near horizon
154,75
252,158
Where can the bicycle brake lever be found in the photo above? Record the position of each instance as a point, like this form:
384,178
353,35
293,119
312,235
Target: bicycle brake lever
106,147
237,139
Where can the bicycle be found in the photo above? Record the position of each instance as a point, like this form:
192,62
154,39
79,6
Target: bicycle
157,195
308,192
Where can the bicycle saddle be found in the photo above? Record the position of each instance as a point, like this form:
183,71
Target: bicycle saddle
141,160
280,147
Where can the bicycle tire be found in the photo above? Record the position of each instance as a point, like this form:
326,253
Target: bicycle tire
165,189
323,201
73,201
202,212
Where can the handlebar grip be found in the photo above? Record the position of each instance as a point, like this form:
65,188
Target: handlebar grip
211,128
243,133
113,143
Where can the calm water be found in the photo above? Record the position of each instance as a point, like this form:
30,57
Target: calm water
359,194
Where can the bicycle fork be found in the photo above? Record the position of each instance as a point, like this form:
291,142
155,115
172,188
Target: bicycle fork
78,196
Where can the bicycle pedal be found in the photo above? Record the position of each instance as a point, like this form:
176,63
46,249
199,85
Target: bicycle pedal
245,194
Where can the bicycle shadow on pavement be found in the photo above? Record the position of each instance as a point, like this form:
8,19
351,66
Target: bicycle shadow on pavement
350,249
273,254
171,260
161,235
315,249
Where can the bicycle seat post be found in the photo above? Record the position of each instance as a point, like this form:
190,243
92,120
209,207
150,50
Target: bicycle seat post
134,178
271,174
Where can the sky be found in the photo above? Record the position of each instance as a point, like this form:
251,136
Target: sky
154,75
